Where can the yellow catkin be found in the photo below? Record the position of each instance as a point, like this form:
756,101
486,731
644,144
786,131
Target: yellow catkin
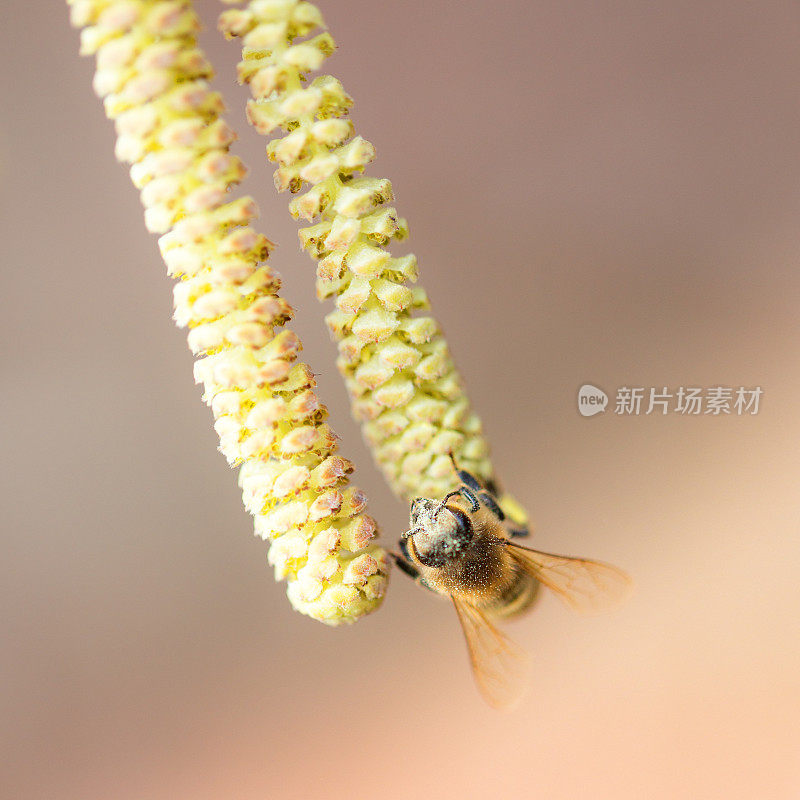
396,364
153,79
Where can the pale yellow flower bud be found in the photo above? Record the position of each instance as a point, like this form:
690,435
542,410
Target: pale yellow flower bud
152,77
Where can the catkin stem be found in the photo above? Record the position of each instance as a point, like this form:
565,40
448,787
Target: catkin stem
153,79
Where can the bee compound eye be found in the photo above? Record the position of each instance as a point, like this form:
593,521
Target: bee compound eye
463,526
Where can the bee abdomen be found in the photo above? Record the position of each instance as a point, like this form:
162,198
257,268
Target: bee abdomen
516,597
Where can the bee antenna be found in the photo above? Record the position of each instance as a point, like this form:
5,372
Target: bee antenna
444,501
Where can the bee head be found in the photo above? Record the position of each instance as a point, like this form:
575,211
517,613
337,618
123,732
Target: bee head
438,532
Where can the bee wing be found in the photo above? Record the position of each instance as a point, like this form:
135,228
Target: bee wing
584,585
498,664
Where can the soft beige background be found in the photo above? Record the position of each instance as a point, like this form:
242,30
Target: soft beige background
598,191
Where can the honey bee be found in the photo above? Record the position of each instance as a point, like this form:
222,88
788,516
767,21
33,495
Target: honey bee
463,547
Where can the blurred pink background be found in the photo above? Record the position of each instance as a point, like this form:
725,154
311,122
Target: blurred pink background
602,192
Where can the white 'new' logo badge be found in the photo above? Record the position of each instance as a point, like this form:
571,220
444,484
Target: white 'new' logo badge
591,400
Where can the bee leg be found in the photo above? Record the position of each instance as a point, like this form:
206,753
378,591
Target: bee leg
406,566
492,488
514,531
487,497
464,492
491,504
470,495
403,544
467,478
